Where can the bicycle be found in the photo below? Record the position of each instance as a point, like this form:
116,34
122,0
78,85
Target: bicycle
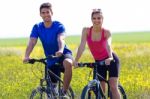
46,89
93,89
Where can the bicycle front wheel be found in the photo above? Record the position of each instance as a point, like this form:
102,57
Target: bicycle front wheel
41,93
121,91
69,93
90,93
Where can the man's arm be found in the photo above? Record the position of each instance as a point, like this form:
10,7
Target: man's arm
31,44
61,44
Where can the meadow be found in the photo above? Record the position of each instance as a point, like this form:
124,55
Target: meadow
18,79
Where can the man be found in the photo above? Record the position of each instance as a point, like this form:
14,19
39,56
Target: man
52,35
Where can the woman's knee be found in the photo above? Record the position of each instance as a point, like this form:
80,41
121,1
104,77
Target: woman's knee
113,82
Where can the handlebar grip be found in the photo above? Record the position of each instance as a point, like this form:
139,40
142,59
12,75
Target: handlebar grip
80,65
53,56
31,61
90,65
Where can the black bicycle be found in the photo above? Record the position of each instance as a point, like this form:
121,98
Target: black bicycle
93,89
46,88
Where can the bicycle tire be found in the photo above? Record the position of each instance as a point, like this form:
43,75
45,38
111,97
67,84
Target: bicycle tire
41,93
90,92
122,92
69,93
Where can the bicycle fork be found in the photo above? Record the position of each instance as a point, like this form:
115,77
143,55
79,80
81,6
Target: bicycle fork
96,87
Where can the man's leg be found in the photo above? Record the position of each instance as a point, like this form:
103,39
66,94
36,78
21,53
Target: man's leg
53,78
55,71
67,63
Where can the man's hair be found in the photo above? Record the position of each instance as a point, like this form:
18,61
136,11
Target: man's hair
46,5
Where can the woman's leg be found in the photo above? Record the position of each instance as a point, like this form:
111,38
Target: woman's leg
114,69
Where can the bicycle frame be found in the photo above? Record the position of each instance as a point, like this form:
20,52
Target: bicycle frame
47,72
48,90
96,80
95,77
99,91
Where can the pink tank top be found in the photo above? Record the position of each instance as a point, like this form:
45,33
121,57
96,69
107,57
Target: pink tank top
97,48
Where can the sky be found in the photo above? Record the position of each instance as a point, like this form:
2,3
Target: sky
18,16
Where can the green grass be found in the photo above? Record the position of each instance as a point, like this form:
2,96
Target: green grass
130,37
17,79
133,37
13,42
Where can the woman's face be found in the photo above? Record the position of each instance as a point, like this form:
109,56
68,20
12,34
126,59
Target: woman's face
97,19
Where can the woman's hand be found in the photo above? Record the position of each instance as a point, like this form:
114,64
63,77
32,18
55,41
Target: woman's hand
75,64
108,61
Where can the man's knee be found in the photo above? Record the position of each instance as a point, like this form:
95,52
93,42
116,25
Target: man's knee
67,63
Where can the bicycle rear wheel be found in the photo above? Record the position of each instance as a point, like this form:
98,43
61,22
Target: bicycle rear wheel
90,93
41,93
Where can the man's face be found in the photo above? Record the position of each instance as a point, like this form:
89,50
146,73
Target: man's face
46,14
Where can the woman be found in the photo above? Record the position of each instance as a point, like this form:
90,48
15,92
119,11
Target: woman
99,43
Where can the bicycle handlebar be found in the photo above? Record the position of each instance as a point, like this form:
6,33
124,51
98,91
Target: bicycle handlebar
91,64
42,60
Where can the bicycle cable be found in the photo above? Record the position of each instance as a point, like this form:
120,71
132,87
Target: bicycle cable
90,73
38,68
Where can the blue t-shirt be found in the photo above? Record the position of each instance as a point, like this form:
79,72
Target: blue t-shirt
48,37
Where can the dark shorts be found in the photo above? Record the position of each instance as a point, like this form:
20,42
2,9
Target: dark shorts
58,69
113,69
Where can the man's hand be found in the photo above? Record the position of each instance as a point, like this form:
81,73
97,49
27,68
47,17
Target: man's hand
26,59
59,53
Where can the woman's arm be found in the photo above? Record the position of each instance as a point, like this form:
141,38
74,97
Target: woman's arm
109,48
81,47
